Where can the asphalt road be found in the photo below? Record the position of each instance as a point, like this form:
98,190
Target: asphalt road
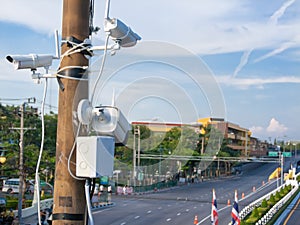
181,204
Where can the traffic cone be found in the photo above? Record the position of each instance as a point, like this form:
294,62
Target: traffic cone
243,195
254,189
228,202
196,220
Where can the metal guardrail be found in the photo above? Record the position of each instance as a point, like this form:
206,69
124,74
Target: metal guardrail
248,209
210,158
266,218
32,210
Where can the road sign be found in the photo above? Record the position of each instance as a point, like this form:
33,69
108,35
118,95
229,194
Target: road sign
287,154
273,154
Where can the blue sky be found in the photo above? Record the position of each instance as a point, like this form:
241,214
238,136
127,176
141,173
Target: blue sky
252,48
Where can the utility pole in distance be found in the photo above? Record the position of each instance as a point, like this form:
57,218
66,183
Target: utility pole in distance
69,197
22,131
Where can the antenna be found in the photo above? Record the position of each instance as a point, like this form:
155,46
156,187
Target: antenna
57,55
113,100
106,14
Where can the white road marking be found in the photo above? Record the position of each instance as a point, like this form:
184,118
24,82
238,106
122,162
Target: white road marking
123,223
149,211
136,217
178,214
169,219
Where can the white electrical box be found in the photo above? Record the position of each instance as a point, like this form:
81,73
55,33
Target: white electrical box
95,156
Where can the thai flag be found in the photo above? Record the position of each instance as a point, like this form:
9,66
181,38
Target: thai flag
235,211
214,210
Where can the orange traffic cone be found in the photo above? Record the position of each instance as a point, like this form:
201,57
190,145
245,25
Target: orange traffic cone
228,202
254,189
243,195
196,220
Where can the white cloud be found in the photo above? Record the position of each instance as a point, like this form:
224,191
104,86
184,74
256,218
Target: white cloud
280,12
276,127
244,83
41,16
273,20
257,130
207,27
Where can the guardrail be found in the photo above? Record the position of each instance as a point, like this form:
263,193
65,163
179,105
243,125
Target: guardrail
248,209
30,211
266,218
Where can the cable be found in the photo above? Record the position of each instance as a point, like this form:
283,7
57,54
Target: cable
71,153
37,181
71,67
88,201
101,68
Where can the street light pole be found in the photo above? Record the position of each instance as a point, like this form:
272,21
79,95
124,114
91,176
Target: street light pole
281,175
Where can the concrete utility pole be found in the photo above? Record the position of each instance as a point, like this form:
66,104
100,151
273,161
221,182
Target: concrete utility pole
69,197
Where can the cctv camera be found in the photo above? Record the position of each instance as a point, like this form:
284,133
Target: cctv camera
105,120
120,32
31,61
111,122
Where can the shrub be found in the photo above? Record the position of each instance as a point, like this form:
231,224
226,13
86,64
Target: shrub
264,204
277,196
254,212
271,201
254,217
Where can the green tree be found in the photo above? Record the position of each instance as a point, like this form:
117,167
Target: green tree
9,118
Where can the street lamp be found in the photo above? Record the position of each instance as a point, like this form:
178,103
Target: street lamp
137,134
159,165
295,149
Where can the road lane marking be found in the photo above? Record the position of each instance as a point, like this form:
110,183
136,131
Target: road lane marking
291,212
178,214
149,211
136,217
123,223
169,219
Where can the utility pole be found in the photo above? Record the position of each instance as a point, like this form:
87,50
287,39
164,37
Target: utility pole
69,198
22,131
21,169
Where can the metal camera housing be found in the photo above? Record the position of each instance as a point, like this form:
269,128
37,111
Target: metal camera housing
120,32
31,61
105,121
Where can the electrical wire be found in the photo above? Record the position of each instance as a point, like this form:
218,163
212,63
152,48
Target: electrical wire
71,153
101,68
37,181
88,201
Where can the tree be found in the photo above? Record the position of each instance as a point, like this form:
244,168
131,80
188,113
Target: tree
9,117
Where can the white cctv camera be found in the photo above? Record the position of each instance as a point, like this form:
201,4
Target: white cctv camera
31,61
120,32
105,120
